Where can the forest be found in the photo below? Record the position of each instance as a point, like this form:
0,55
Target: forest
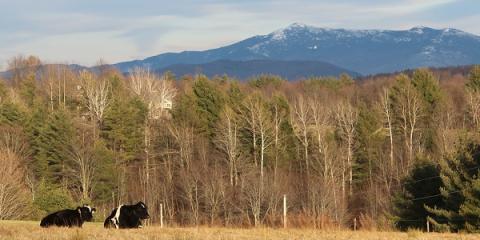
385,152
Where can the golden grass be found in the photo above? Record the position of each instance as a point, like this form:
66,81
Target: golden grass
25,230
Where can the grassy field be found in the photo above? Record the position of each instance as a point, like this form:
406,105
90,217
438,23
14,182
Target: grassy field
22,230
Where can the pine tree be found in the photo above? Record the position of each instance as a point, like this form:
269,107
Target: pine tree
3,91
470,209
368,144
52,146
429,91
10,114
421,188
209,102
473,96
369,141
123,127
35,126
459,189
105,173
28,89
50,199
474,79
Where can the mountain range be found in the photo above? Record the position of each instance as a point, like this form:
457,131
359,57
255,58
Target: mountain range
300,51
358,51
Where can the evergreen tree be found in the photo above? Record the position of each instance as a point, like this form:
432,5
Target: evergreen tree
28,89
234,95
50,137
459,192
265,80
429,91
421,189
184,112
209,102
473,96
106,173
54,146
368,152
369,142
35,127
123,127
10,114
473,83
3,91
50,199
470,209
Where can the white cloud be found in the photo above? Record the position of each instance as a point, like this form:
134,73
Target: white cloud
71,47
82,32
404,7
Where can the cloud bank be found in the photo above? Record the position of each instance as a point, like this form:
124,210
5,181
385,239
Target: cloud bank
84,31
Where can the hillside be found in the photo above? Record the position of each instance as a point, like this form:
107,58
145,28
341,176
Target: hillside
244,69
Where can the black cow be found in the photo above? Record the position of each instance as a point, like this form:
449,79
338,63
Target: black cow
69,217
127,216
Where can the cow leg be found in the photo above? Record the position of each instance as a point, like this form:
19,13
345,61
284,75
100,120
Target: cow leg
116,223
109,223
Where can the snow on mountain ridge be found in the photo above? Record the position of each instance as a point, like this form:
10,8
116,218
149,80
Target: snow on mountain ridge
298,28
365,51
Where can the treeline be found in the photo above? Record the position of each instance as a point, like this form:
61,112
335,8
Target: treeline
389,152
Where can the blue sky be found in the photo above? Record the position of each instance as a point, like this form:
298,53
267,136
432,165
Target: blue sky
84,31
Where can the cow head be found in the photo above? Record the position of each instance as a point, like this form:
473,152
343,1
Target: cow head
86,212
141,210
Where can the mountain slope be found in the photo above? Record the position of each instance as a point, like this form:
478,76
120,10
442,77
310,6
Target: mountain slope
245,69
364,51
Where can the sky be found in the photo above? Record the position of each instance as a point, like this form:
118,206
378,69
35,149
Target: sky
85,31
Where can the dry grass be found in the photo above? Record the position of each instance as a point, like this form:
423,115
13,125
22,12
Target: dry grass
21,230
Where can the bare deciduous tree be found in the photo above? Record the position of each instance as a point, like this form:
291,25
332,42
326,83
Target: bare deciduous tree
83,169
301,120
214,193
473,102
228,141
14,197
96,93
155,93
387,121
346,118
408,111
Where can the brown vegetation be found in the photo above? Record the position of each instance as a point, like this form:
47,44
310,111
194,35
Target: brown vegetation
227,151
15,230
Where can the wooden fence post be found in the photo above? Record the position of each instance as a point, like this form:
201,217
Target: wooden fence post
161,215
284,211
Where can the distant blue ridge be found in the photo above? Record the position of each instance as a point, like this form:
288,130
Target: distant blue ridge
361,51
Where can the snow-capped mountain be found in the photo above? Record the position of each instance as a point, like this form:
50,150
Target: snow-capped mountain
363,51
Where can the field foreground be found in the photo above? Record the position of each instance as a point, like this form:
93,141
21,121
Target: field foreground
20,230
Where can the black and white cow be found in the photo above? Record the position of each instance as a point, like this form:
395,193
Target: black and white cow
69,217
127,216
